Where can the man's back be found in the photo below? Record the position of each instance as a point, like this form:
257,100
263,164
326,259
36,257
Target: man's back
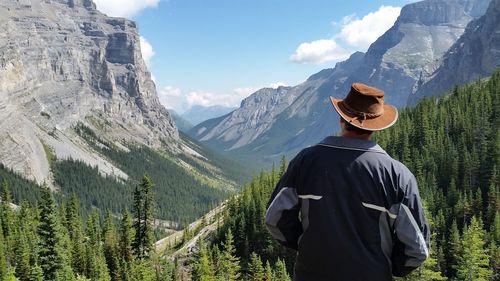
360,213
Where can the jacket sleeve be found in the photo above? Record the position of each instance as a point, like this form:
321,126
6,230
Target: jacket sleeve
282,216
411,246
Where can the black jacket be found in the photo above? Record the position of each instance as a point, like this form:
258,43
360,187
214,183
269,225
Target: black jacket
352,211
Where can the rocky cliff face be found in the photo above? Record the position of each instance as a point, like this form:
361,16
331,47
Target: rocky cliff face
63,62
243,125
397,62
412,49
475,55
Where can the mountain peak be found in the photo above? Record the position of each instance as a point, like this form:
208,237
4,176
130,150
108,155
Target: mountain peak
439,12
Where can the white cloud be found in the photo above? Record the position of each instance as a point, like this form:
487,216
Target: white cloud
360,33
345,20
146,51
355,35
124,8
208,99
171,98
245,92
275,85
319,51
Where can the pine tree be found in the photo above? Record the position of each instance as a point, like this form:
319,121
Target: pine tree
255,268
10,275
142,270
283,166
454,249
111,250
495,229
3,262
126,238
75,231
36,273
144,218
203,269
148,219
493,203
137,224
494,251
281,273
268,273
473,264
163,267
229,264
8,219
51,256
22,257
95,260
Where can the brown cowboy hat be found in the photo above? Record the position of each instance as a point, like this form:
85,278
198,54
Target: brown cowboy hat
364,108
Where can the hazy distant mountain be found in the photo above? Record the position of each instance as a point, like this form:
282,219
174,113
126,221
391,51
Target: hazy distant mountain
396,62
475,55
181,123
198,113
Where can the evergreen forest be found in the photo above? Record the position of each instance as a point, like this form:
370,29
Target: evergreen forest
48,241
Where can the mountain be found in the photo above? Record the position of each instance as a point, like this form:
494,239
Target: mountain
474,56
182,124
395,62
93,72
199,113
79,112
414,46
246,123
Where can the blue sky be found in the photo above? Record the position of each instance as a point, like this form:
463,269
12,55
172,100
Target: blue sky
211,52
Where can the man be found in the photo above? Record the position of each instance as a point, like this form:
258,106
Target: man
351,211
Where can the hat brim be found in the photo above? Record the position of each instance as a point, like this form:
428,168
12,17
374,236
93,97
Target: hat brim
384,121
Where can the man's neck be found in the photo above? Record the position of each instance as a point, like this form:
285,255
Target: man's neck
348,134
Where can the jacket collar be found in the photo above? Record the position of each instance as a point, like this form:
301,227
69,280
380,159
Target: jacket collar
352,144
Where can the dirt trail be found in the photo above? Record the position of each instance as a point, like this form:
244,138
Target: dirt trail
210,219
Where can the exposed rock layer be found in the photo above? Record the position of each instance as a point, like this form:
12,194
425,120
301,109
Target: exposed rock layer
63,62
474,56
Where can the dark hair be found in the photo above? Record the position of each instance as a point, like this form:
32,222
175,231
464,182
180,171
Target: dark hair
349,127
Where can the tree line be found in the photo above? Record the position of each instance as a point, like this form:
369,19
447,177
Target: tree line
49,241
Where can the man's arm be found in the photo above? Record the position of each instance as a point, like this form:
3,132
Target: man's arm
411,246
282,216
